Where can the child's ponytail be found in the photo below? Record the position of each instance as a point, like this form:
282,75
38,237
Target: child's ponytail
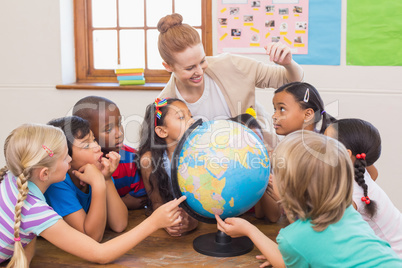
19,259
3,172
360,165
363,139
327,120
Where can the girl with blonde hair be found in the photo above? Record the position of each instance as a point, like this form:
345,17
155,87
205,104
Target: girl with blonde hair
314,179
37,156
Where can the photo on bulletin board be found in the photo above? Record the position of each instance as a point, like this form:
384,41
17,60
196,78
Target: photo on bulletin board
315,37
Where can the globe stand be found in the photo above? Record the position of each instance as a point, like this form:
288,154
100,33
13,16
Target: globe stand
220,244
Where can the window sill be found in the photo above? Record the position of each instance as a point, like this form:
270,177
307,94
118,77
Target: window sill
111,86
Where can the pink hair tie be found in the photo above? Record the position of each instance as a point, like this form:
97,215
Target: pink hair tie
17,239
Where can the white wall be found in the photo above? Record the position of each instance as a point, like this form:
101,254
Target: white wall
35,55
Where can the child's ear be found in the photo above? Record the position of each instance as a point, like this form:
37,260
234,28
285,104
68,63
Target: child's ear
308,115
350,153
167,67
161,132
44,174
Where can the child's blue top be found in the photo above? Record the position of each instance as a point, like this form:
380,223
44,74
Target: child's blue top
350,242
65,198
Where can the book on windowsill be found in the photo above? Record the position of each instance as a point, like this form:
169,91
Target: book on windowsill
130,77
131,82
129,71
130,74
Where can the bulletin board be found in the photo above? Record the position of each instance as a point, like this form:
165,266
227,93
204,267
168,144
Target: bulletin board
321,41
247,26
374,33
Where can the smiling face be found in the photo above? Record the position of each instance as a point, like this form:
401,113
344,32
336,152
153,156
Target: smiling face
189,67
107,128
86,151
177,120
288,115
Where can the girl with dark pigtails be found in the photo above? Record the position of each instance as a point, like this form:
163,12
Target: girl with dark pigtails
363,142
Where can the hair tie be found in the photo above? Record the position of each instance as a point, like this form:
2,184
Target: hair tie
361,156
159,103
323,112
307,95
366,200
251,112
48,151
17,239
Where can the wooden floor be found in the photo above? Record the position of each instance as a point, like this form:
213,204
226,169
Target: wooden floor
159,249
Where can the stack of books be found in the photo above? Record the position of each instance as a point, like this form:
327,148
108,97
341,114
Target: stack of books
130,76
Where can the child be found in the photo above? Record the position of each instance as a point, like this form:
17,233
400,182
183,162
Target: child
37,156
105,121
314,178
363,142
87,205
268,205
297,106
164,124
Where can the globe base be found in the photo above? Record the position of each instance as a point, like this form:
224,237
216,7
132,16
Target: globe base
220,244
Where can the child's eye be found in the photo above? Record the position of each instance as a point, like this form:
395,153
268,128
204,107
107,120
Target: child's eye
283,109
86,146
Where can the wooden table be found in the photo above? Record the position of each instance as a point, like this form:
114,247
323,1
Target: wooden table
159,249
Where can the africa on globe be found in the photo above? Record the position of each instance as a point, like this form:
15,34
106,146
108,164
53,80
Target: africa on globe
222,167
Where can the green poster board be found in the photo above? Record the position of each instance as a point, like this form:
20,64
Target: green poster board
374,33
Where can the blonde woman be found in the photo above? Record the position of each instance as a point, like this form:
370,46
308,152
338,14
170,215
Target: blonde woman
314,179
36,157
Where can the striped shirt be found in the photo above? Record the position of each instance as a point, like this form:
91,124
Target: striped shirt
127,176
36,215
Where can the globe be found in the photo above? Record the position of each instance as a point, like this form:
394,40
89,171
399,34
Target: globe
223,168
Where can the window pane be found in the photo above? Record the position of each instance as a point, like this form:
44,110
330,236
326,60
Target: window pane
105,49
132,54
154,59
104,13
190,10
156,9
131,13
200,34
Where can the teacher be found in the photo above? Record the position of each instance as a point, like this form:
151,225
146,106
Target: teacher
223,86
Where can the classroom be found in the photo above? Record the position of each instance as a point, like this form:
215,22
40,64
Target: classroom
37,55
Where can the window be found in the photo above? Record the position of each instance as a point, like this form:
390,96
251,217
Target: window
112,34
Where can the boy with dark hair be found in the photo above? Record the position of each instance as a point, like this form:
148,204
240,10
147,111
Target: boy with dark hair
105,122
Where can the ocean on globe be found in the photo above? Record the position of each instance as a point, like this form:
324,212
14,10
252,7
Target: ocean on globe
223,168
